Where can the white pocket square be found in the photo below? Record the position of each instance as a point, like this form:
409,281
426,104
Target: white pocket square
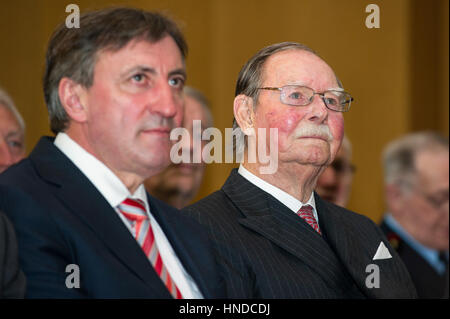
382,252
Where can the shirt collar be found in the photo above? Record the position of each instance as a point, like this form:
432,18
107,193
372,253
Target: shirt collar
430,255
286,199
106,182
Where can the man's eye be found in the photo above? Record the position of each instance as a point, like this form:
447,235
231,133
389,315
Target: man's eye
296,96
178,82
332,101
15,144
138,77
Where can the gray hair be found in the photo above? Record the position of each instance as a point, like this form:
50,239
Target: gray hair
201,98
72,52
250,79
7,102
399,155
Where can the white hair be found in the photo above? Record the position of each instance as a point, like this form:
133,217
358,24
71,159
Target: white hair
7,102
399,155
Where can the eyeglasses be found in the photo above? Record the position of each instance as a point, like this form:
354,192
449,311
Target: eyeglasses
298,95
438,200
342,167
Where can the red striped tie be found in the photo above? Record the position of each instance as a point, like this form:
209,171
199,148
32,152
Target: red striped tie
134,210
306,212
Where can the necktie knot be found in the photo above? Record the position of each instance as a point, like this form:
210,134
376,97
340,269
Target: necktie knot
306,212
133,209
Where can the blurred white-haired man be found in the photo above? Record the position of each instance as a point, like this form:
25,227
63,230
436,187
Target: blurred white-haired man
416,223
12,132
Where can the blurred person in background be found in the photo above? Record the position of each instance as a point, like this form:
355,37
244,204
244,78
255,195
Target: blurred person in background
12,132
416,177
178,184
335,183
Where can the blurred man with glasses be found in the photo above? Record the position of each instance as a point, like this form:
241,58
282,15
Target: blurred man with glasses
275,237
178,184
335,183
416,189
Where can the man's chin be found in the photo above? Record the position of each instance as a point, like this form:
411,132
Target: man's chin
317,154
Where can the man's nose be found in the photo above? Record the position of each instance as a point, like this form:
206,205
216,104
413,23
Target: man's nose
319,110
169,102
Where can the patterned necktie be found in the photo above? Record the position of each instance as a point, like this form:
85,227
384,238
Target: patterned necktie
134,210
306,212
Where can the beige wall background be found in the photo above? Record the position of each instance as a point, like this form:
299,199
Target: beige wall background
398,73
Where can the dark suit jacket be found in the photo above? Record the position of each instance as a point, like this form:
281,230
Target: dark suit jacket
12,280
61,219
429,283
269,252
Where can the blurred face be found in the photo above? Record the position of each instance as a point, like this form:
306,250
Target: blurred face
134,102
334,183
182,179
12,146
427,206
308,135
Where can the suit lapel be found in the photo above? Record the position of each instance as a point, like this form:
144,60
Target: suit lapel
80,197
355,255
183,251
273,220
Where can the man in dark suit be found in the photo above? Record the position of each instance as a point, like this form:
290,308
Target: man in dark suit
416,223
85,225
12,280
274,236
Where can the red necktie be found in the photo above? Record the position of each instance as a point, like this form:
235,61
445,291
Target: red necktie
134,210
306,212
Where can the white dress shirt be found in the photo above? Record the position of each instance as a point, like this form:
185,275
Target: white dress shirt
115,192
288,200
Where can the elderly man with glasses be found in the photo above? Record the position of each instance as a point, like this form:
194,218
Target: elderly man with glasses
275,237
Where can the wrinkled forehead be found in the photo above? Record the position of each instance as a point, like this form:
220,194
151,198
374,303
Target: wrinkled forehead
299,67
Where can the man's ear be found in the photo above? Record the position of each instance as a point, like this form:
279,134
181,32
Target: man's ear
72,97
243,113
